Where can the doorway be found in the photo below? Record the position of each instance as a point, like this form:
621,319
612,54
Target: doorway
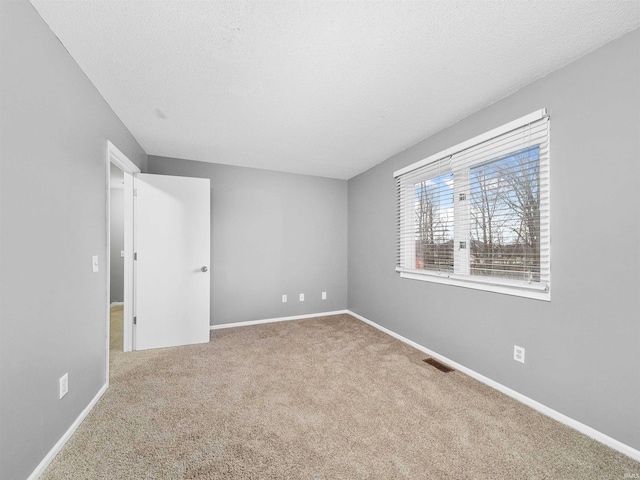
120,267
168,288
116,258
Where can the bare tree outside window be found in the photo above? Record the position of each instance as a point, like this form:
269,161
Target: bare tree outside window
476,215
505,216
434,223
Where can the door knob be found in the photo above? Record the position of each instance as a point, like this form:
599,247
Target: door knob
204,269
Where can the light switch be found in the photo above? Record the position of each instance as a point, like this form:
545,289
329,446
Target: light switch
94,263
122,253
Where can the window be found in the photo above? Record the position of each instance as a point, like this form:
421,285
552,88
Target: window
477,214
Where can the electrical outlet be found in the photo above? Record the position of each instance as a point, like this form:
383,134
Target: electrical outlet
302,297
64,384
324,295
284,299
518,354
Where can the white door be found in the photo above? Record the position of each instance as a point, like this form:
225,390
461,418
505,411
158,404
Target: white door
172,269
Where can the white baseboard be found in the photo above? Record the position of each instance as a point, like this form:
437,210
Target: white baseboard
581,427
277,319
58,446
114,304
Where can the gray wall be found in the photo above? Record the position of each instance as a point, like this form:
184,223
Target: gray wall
117,245
275,233
582,349
272,233
54,126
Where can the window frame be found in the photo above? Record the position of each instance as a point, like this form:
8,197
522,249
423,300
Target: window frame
461,276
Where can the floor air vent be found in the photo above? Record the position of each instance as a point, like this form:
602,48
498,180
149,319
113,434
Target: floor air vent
440,366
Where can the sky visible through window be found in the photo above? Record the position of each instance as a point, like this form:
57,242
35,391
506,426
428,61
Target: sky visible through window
503,198
434,223
505,216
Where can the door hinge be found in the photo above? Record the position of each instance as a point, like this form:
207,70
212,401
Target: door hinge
135,192
135,256
135,320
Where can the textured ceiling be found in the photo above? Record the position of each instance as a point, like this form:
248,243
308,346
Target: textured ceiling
318,87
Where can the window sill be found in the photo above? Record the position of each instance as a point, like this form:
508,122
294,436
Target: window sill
534,291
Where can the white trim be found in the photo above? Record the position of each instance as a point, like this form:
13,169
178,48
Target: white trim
39,470
129,294
581,427
277,319
107,261
534,291
120,159
532,117
116,157
115,304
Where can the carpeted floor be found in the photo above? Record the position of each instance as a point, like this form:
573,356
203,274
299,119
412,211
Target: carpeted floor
116,327
324,398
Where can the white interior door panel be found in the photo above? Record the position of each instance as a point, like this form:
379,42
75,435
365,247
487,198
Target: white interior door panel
173,254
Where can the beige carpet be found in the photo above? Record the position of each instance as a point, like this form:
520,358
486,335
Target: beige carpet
116,327
325,398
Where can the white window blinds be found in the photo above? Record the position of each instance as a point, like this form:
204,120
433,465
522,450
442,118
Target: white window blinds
479,212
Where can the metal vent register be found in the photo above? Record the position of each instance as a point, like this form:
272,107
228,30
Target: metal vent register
440,366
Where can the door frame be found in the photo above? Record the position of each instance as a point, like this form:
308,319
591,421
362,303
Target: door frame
116,157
